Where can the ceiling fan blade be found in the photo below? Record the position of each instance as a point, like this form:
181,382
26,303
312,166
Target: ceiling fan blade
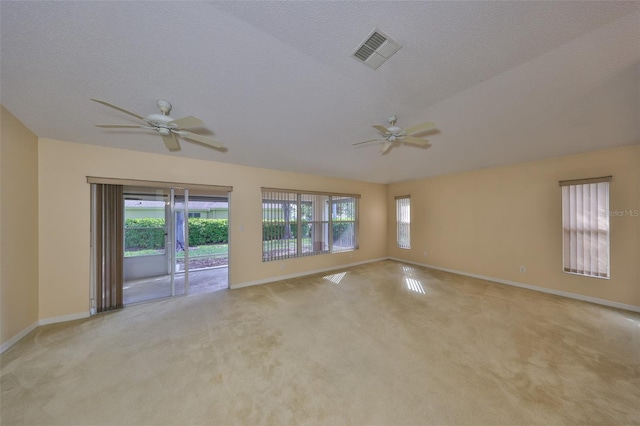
420,128
416,141
187,122
387,145
119,109
369,141
199,138
118,126
171,142
383,130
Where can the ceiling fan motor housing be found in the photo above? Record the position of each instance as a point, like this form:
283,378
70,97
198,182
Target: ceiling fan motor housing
395,131
161,121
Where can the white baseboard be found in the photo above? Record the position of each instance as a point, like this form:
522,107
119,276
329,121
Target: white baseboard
302,274
9,343
64,318
530,287
15,339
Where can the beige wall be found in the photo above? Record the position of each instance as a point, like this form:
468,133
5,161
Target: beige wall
65,210
490,222
18,227
487,222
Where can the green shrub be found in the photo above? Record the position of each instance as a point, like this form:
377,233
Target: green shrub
340,227
142,234
208,231
149,233
274,230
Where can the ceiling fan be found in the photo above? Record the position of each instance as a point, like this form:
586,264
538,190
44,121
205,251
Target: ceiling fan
170,129
393,134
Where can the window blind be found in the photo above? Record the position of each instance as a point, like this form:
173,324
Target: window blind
296,223
403,221
585,222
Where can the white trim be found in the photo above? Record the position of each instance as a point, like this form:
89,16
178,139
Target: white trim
54,320
64,318
9,343
302,274
15,339
530,287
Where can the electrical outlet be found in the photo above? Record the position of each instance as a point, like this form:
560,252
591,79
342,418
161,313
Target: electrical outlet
523,269
425,254
283,265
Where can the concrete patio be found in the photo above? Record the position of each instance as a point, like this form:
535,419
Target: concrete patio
200,281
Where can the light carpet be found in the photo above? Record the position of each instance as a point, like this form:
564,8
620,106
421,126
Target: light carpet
378,344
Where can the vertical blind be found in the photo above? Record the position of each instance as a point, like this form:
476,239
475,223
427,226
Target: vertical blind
585,222
403,221
109,246
279,225
296,224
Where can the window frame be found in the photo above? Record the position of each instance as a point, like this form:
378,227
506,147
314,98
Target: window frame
321,239
582,229
335,200
400,225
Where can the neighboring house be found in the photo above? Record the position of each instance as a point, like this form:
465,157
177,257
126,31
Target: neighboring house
135,209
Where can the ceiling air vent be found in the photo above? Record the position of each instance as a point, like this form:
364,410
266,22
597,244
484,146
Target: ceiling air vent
377,48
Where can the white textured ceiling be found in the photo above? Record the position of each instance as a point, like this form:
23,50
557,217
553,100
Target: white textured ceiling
505,82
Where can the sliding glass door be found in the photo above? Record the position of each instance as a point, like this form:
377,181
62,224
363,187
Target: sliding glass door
201,250
148,248
156,243
179,266
170,242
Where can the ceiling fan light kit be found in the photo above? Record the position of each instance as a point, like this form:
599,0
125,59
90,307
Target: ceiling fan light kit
393,134
170,129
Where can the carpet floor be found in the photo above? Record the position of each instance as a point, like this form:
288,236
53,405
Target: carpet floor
380,344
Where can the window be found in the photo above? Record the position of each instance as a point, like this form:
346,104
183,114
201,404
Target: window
343,219
296,223
403,221
585,223
195,214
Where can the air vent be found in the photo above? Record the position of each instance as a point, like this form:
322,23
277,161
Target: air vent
377,48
